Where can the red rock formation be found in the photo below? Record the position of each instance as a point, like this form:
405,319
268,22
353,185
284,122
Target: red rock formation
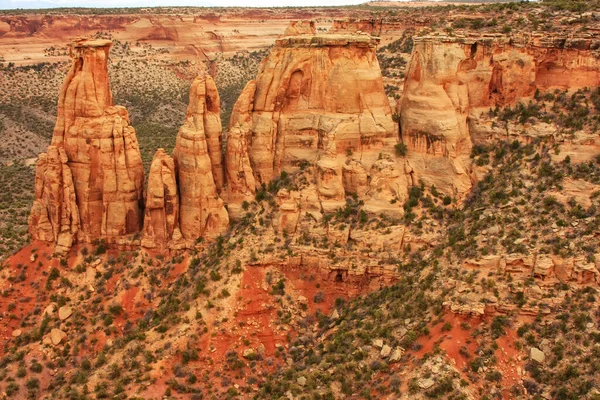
300,28
54,215
197,157
161,219
372,26
317,99
451,81
100,149
240,178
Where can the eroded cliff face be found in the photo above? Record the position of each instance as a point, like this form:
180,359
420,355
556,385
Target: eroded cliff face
318,102
98,155
452,82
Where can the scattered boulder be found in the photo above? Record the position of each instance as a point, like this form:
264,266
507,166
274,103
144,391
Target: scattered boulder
51,309
378,343
425,383
261,349
17,333
301,381
537,355
64,312
249,353
57,336
396,354
385,351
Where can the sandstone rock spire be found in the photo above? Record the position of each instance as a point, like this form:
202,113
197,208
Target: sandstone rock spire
197,158
161,219
100,150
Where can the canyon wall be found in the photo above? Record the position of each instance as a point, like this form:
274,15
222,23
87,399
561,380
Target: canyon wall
186,33
318,102
452,82
95,154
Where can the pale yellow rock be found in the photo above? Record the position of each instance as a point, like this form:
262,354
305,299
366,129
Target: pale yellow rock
50,309
57,336
64,312
17,333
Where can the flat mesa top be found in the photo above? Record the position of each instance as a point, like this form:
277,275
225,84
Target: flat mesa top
80,43
325,40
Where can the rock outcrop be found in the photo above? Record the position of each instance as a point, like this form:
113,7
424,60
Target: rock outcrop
372,26
98,155
198,162
318,102
54,215
451,82
300,28
161,219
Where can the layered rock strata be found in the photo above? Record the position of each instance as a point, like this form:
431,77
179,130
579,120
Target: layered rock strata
451,82
99,154
318,102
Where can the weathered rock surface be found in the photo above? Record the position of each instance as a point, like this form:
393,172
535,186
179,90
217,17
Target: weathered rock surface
300,28
94,140
452,82
197,158
64,312
54,215
101,147
161,219
56,336
318,102
537,355
241,184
